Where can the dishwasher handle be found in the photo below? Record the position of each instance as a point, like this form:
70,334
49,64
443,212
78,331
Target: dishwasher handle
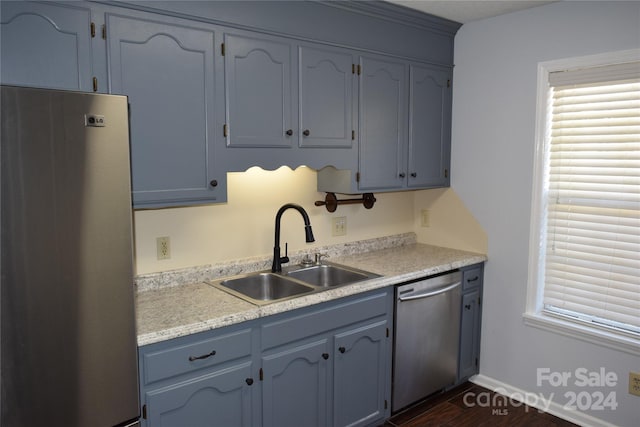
430,293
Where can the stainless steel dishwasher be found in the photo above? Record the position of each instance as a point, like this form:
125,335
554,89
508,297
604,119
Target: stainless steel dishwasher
427,329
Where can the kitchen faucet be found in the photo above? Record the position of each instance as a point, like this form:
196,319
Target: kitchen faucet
276,266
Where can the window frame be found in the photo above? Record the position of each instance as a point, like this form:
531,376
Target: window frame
533,315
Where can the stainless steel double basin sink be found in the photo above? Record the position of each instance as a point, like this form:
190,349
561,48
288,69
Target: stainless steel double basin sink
266,287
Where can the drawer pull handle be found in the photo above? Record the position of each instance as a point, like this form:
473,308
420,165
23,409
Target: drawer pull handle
325,356
342,349
473,280
249,381
204,356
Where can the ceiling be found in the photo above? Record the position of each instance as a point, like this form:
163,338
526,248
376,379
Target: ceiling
464,11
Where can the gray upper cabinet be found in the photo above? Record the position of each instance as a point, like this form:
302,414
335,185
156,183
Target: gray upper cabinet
258,92
286,103
405,129
217,87
429,126
326,97
46,45
167,69
383,99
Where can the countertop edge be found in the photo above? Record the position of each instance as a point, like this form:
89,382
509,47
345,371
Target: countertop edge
247,311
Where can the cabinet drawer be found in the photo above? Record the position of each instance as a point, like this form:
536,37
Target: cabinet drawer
194,356
324,319
472,278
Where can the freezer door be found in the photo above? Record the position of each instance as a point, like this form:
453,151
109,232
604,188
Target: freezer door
69,354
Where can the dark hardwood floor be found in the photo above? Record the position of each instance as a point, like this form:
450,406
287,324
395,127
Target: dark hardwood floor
471,405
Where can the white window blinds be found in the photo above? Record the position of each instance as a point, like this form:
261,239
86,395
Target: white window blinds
592,256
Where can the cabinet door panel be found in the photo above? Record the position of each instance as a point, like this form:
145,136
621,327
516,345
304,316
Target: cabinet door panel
359,380
326,97
222,398
469,334
294,391
167,71
382,128
429,127
46,45
258,92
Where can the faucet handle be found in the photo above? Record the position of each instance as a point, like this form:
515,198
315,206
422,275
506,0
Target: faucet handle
285,259
306,261
319,257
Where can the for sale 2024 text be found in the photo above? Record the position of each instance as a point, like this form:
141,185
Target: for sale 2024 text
595,400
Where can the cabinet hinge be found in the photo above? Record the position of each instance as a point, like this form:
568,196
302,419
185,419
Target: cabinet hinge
353,135
479,300
357,176
446,173
476,361
353,68
387,332
93,30
386,404
449,83
104,32
359,69
225,130
95,84
222,51
144,412
261,375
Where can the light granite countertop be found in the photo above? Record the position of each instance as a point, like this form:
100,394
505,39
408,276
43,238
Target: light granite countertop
165,312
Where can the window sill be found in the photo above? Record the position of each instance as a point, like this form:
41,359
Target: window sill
602,338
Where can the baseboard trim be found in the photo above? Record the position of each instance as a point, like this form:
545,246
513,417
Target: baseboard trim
555,409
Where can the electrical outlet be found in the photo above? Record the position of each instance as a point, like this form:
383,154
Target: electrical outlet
339,226
163,247
425,215
634,383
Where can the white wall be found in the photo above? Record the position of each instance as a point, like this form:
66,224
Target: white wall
493,147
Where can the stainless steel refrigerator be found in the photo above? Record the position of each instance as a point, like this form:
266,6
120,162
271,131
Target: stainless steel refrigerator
69,355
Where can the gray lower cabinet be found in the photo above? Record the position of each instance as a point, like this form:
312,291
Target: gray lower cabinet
470,322
295,388
220,398
205,379
360,393
167,68
46,45
325,365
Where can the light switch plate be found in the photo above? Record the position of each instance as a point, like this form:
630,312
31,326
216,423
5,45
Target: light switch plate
339,226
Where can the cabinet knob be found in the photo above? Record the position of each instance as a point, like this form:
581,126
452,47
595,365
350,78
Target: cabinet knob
325,356
214,183
249,381
342,349
467,306
306,132
413,174
402,175
289,132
